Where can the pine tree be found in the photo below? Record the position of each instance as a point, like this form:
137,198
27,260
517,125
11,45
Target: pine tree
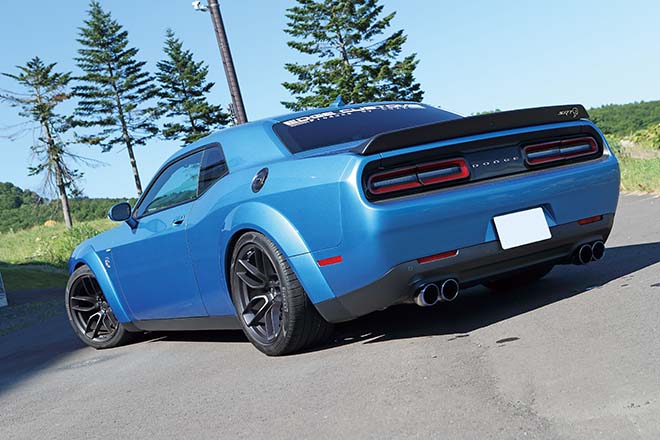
353,59
183,90
114,89
44,90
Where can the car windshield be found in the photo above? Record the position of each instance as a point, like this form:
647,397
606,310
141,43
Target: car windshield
343,125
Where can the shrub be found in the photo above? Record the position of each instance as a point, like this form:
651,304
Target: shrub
57,248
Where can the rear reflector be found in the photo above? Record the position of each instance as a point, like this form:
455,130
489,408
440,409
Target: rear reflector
556,151
329,261
417,176
586,221
437,257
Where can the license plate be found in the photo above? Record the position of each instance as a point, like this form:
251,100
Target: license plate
521,228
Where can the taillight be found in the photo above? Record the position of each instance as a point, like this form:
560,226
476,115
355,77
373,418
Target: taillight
556,151
418,176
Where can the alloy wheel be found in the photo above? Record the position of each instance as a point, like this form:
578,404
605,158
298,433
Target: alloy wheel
90,311
260,293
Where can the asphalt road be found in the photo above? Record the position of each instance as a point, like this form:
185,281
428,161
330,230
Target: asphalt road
575,356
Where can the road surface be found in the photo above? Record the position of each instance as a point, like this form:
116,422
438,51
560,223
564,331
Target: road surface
575,356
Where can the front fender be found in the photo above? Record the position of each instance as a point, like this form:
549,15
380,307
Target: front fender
85,254
270,222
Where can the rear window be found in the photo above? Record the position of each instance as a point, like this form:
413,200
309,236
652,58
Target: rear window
353,124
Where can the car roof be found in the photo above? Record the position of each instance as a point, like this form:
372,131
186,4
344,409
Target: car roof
264,145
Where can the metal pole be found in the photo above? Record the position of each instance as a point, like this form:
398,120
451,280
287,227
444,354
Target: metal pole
227,62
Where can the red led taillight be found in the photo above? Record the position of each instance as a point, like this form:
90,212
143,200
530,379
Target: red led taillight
556,151
418,176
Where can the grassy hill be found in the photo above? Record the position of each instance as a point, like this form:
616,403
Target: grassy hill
37,257
22,209
622,120
47,245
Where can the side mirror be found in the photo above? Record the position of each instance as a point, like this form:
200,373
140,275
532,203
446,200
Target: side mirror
121,212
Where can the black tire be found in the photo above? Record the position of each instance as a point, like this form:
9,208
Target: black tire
272,307
89,313
519,278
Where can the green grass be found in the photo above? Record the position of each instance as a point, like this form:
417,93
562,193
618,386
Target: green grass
640,174
47,245
32,277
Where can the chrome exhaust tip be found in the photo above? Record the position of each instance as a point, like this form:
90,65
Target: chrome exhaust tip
449,290
427,295
584,254
597,250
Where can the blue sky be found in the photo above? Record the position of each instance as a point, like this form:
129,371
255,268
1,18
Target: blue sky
475,56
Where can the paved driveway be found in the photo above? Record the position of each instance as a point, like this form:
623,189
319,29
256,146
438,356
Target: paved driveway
575,356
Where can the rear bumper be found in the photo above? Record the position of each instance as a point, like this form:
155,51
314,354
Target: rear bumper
470,266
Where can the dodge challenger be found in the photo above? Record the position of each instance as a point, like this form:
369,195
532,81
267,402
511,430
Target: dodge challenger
284,226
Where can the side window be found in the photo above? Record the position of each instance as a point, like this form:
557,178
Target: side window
214,168
176,185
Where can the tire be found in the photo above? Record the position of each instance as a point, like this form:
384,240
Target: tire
89,313
519,278
272,307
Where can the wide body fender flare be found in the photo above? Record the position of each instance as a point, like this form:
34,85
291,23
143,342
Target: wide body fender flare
88,256
270,222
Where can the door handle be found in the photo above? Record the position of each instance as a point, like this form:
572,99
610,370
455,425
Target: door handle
178,221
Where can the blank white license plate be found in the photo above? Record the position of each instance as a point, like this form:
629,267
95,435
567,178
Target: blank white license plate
521,228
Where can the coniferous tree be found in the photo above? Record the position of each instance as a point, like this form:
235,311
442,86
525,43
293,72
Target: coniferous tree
44,90
114,89
183,90
353,58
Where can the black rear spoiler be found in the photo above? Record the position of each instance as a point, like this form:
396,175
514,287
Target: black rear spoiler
473,125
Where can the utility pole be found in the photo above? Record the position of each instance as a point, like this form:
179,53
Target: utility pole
227,61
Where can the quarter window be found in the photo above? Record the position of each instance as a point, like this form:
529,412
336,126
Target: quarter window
176,185
213,168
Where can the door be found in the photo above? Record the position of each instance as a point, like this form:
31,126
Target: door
154,267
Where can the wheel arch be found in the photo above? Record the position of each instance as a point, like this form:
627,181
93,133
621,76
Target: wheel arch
264,219
87,256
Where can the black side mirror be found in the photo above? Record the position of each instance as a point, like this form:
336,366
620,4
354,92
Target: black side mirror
121,212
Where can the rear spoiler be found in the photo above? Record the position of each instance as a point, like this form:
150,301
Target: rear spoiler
473,125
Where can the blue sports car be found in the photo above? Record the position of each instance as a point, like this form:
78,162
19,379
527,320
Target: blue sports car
283,226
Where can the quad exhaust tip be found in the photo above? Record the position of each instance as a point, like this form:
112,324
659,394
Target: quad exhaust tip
449,290
597,250
585,254
589,252
430,294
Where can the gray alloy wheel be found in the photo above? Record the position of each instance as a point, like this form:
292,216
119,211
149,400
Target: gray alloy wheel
90,314
272,307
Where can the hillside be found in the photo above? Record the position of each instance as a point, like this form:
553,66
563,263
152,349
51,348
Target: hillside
625,119
22,209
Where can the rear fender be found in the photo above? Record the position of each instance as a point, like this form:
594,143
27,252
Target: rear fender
270,222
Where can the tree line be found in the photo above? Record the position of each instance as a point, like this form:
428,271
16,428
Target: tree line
22,209
119,103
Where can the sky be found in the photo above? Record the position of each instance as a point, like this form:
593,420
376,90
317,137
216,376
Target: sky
474,56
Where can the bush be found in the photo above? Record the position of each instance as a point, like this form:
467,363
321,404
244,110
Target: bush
57,249
47,245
